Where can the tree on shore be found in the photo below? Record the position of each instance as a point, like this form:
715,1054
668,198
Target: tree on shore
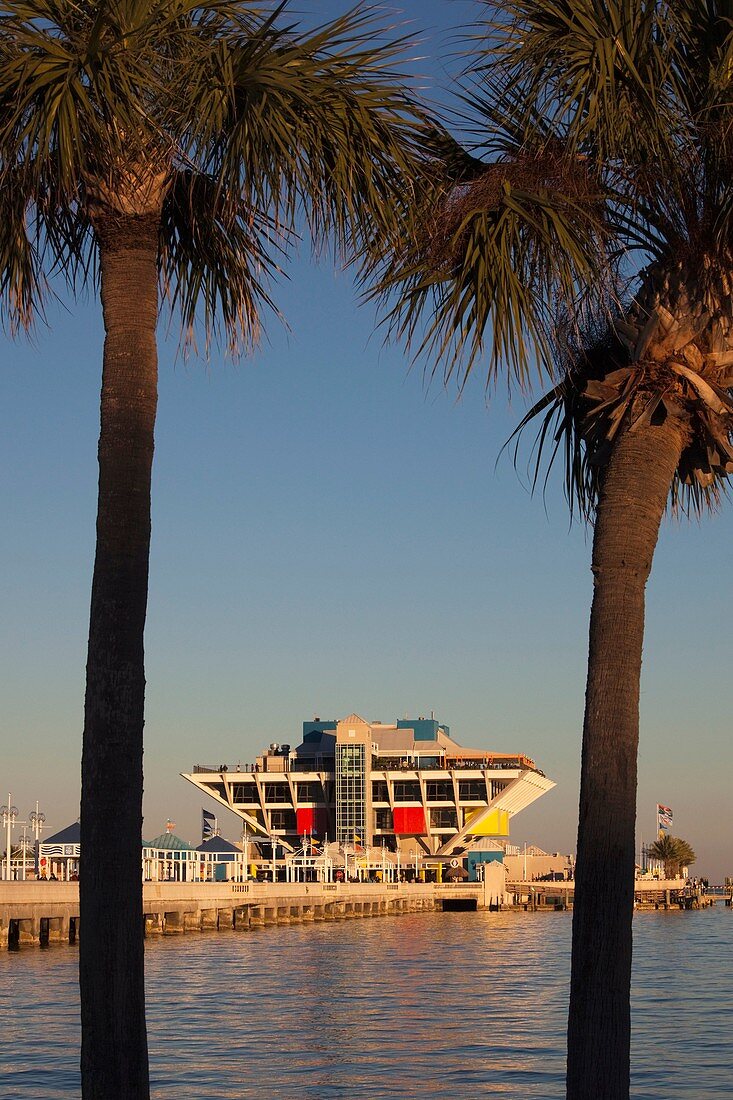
169,150
673,852
588,227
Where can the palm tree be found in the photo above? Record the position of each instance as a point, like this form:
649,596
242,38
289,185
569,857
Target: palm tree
605,134
673,852
170,149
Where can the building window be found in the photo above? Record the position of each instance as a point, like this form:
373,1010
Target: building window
283,820
407,792
277,792
351,794
497,786
245,794
383,820
310,792
444,819
379,791
441,791
472,790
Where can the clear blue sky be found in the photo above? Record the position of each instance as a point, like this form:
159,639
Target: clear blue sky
332,536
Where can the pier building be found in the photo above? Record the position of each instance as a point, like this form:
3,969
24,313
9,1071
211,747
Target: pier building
407,786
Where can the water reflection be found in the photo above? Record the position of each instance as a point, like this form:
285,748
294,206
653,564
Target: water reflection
428,1005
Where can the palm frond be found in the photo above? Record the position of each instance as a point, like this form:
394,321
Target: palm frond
217,259
22,285
485,262
599,71
106,108
318,125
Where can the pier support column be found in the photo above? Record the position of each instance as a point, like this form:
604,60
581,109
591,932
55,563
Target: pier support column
172,923
241,919
153,924
208,920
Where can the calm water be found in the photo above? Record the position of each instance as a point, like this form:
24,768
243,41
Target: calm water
429,1005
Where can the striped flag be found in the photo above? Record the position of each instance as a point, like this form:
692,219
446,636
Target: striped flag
208,825
664,819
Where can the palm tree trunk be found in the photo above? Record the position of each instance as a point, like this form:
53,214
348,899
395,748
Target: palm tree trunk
634,494
114,1060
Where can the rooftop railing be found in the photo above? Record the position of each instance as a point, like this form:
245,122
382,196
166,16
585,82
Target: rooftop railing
379,763
202,769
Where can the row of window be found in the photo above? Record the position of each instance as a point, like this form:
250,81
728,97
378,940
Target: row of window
439,819
353,821
469,790
246,793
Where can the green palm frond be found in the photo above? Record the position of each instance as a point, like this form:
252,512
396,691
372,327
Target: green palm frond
485,262
277,131
598,70
319,125
21,271
596,242
217,261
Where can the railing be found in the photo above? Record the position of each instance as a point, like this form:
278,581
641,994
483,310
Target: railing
399,764
202,769
379,764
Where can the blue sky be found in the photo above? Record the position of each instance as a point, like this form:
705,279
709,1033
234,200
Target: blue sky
329,535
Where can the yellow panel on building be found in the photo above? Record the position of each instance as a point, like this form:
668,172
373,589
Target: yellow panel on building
495,823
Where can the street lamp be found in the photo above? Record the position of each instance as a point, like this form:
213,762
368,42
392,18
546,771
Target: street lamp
9,815
24,848
36,819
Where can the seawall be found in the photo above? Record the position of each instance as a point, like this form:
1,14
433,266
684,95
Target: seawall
39,913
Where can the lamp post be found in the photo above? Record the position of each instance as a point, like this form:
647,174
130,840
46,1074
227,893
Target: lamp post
24,848
9,815
37,820
245,847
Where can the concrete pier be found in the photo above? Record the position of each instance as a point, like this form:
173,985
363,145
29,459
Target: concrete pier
42,913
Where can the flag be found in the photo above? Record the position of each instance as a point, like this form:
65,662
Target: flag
664,819
208,825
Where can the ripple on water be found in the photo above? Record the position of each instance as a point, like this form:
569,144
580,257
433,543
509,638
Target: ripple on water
429,1005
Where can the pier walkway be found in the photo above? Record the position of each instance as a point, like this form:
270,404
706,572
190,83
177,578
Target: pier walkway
47,912
648,894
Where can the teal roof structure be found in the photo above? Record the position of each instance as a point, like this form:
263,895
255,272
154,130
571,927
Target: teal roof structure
169,841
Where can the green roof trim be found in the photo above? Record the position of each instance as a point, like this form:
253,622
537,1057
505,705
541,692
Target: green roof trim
170,841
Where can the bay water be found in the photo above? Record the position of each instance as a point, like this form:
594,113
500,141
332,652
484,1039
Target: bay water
460,1005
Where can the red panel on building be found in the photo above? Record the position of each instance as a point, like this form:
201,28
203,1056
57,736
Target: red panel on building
409,820
311,819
